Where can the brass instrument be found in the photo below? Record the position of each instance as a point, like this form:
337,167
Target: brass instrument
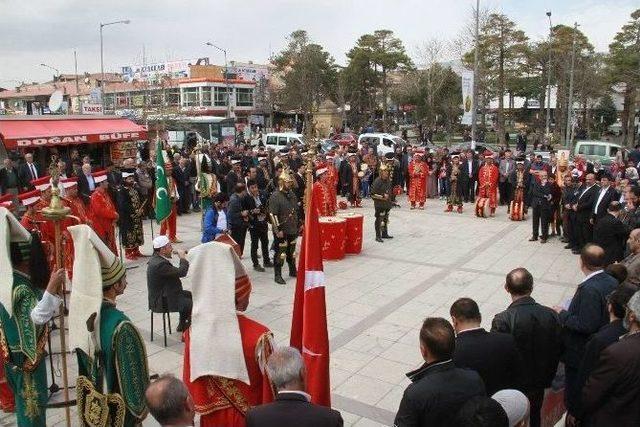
519,179
455,171
274,222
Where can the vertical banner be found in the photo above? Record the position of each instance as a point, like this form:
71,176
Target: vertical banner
467,96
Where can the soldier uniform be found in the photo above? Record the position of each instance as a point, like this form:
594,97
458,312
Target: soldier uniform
283,209
382,187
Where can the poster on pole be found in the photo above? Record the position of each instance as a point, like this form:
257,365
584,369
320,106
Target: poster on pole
467,96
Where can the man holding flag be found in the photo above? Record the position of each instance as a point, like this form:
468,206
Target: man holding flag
165,194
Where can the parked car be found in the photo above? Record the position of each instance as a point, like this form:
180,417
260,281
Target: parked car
346,138
603,151
278,141
382,142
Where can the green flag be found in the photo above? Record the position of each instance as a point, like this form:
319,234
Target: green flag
163,203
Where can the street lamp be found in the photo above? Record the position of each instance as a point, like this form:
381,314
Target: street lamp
568,137
226,78
549,77
53,68
102,84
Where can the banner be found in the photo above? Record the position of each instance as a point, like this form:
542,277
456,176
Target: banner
163,202
467,97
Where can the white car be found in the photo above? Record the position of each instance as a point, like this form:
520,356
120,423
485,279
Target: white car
383,142
278,141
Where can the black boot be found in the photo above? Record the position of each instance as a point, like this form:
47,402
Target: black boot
292,270
278,275
385,234
267,263
258,268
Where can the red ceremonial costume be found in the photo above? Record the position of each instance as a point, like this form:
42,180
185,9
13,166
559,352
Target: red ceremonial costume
418,172
487,188
225,352
222,401
43,225
78,215
169,226
103,214
321,192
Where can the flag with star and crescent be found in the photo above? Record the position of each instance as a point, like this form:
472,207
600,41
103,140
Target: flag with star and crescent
163,203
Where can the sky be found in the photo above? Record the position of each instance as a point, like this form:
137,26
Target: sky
33,32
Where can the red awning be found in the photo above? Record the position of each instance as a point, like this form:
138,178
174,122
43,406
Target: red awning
34,131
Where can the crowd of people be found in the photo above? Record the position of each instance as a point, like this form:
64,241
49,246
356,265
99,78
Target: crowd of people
471,376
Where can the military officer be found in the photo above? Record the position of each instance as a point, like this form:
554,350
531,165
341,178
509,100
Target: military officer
381,193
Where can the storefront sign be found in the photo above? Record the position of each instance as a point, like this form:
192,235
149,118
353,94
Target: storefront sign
149,72
79,139
92,109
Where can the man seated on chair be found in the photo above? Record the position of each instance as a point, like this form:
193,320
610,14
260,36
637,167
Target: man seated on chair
163,281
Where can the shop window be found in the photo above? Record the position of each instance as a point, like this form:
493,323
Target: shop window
172,97
220,96
244,97
190,97
206,96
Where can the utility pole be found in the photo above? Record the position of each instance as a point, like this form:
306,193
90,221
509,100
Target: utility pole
75,62
548,122
567,137
474,110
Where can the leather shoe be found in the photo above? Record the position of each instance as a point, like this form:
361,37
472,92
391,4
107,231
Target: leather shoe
533,239
543,240
279,280
257,267
379,239
386,236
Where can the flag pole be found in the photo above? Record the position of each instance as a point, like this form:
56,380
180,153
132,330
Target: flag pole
311,158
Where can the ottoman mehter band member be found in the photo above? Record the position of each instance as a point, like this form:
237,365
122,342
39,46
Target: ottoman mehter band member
381,194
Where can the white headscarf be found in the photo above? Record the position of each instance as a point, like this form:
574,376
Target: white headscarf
10,231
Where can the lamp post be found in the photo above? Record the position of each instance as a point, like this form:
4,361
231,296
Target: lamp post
102,84
226,78
474,110
568,138
53,68
548,121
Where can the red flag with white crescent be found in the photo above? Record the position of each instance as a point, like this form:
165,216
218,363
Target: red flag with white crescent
309,325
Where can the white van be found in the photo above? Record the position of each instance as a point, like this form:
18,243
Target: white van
603,151
278,141
383,142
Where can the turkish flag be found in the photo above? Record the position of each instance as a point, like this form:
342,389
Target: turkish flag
309,325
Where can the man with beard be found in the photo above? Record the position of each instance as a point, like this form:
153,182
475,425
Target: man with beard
131,210
283,208
381,193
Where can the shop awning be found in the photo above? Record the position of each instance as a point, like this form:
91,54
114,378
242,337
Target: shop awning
43,131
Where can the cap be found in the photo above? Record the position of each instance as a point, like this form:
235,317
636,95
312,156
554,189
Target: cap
69,182
321,170
42,184
389,156
29,198
455,155
126,173
99,176
514,403
262,156
160,242
6,201
235,160
488,154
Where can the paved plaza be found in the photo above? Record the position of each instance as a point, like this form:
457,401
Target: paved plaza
376,301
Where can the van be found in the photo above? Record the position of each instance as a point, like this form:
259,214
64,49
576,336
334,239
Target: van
382,142
278,141
602,151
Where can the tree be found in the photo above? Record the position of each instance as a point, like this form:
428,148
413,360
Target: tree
624,64
308,74
605,113
370,61
502,53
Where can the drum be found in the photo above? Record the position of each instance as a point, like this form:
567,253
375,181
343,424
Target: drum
516,211
333,232
225,238
355,221
482,205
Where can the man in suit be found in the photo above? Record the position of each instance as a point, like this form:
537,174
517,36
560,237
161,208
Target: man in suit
570,194
540,198
183,184
537,333
86,184
256,204
611,234
610,396
632,261
234,176
521,142
606,195
438,388
169,402
584,316
292,407
163,281
28,171
238,215
584,211
493,355
507,165
469,176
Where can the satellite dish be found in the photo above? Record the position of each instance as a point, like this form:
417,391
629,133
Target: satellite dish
55,101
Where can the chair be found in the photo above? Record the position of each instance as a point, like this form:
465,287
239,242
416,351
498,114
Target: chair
166,318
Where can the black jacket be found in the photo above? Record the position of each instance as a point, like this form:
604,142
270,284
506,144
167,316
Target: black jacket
610,195
250,204
292,410
3,180
464,170
611,235
237,204
163,279
586,202
538,337
493,355
25,175
540,195
437,392
83,188
587,313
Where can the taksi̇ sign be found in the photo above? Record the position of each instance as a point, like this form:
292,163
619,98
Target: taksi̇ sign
94,109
